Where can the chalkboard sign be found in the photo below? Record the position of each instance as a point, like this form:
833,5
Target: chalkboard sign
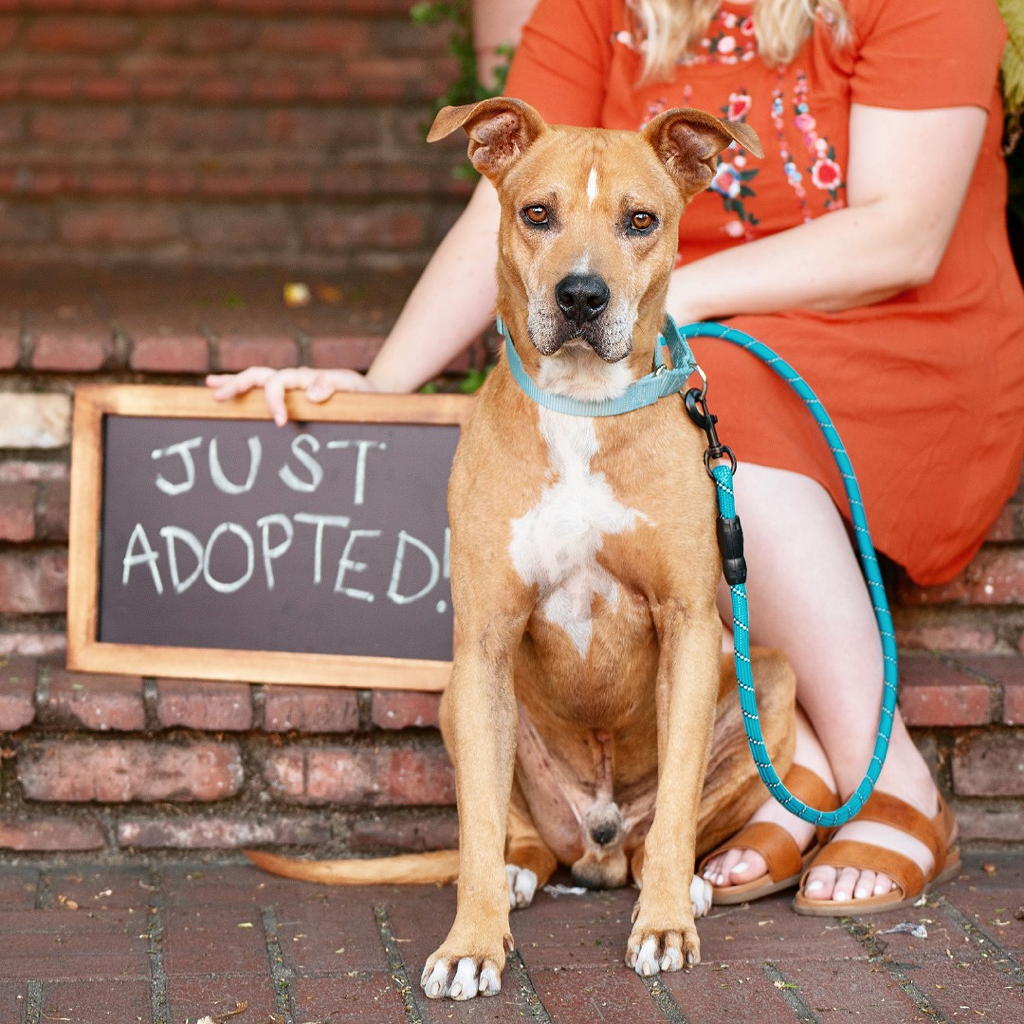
206,542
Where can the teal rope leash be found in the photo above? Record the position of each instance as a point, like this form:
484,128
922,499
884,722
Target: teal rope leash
731,542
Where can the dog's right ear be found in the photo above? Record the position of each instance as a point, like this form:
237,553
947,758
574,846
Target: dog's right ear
500,130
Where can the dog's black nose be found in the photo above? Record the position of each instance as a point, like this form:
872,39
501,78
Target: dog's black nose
604,833
582,297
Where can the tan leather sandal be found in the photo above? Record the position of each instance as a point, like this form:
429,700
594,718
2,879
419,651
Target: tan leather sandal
778,848
938,834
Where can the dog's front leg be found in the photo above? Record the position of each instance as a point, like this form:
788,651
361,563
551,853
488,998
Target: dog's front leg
481,736
664,936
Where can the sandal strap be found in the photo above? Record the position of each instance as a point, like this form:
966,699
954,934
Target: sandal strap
813,790
851,853
887,809
773,842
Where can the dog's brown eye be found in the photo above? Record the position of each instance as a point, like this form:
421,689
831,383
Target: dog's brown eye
642,221
537,215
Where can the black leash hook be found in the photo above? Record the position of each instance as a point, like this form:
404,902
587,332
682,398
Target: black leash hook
696,403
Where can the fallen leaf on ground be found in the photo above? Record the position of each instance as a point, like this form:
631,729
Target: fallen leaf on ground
909,928
296,293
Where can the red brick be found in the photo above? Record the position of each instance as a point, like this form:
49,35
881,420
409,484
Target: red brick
376,833
73,350
86,125
114,181
988,824
153,353
274,89
96,702
380,226
225,128
995,577
363,776
33,582
51,834
10,349
354,352
942,636
214,707
24,224
51,87
84,34
219,833
934,693
117,771
236,352
1013,704
227,228
989,763
1007,525
170,181
340,129
217,34
108,88
129,224
399,710
310,709
17,693
219,89
52,518
17,512
334,37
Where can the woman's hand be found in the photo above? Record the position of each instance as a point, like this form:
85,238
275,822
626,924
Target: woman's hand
318,385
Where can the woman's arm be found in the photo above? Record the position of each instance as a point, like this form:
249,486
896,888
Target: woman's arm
907,176
446,311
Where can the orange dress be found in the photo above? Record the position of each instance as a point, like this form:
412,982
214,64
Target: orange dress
926,388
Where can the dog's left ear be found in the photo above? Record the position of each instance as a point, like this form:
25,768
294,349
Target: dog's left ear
687,142
500,130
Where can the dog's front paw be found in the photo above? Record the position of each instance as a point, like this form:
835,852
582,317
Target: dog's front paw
522,886
651,948
460,977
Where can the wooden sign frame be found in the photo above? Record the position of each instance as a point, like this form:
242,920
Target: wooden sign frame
88,654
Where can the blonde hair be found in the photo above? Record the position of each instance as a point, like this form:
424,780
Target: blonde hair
671,29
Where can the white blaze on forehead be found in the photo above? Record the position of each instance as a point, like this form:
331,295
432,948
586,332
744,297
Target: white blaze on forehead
556,543
592,185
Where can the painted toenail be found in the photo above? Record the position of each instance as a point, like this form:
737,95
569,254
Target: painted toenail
840,897
741,867
814,886
860,894
879,888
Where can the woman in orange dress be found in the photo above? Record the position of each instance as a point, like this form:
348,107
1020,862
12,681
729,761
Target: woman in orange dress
868,247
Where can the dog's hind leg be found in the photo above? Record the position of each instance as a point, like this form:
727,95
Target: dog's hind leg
529,864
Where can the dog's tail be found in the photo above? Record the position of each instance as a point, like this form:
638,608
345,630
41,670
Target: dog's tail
437,866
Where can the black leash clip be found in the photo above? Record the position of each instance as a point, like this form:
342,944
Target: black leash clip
696,403
730,532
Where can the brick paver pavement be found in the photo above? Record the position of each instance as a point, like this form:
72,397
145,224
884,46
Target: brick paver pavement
172,943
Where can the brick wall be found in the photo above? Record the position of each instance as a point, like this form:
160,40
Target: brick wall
246,131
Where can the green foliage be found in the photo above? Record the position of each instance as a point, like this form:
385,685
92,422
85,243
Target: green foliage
1013,57
467,87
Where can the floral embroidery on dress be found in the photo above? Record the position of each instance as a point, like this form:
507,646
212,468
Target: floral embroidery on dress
729,40
825,171
732,178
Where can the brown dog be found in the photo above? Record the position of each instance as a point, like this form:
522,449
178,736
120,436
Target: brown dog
590,717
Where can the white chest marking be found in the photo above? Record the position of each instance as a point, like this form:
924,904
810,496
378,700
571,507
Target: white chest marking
592,185
555,544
